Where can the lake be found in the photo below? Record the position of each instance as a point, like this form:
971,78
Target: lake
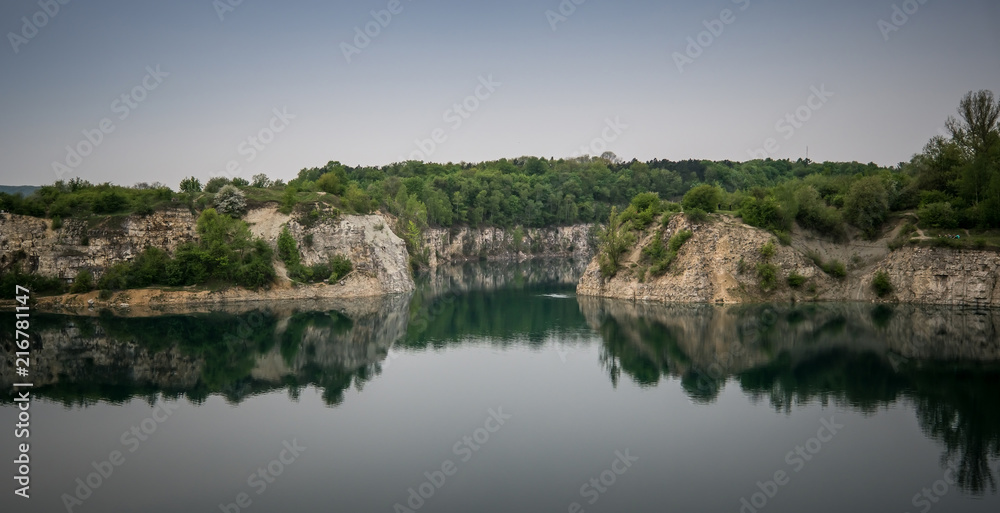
496,389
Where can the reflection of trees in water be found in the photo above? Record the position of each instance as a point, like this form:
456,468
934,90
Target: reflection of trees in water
960,410
850,356
82,360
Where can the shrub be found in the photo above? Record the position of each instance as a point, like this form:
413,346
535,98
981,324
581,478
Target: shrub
835,268
767,275
795,280
679,239
84,282
215,184
765,213
867,205
703,197
288,250
767,250
615,240
57,222
231,201
881,284
696,215
190,185
938,215
340,266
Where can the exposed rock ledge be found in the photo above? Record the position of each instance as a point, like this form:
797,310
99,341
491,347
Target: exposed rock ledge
708,269
380,259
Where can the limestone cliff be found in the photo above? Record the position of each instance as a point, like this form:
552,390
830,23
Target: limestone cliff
464,244
718,264
379,257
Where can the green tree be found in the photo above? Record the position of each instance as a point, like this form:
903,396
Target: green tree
615,240
867,205
705,197
84,282
288,250
190,185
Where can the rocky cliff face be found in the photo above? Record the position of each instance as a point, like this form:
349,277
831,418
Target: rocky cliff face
465,244
79,245
379,256
718,264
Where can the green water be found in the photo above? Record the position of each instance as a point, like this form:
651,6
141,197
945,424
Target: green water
500,390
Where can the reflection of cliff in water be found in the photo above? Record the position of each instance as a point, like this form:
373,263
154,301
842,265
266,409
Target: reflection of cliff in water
946,361
331,345
476,299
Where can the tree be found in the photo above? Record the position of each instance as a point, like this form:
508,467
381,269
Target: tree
230,200
84,282
330,183
615,240
213,185
261,181
705,197
867,205
190,184
288,250
976,131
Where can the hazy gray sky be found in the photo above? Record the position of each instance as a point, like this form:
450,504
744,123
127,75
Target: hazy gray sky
200,78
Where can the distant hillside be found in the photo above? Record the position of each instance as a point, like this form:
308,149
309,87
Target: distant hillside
26,190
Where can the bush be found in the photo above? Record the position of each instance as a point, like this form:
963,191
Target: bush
938,215
767,250
615,240
767,275
215,184
84,282
881,284
696,215
340,266
679,239
867,205
57,222
765,213
703,197
230,201
288,250
835,268
795,280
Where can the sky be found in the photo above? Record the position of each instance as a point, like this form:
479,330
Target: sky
145,91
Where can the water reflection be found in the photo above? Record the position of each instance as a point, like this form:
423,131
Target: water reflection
945,361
